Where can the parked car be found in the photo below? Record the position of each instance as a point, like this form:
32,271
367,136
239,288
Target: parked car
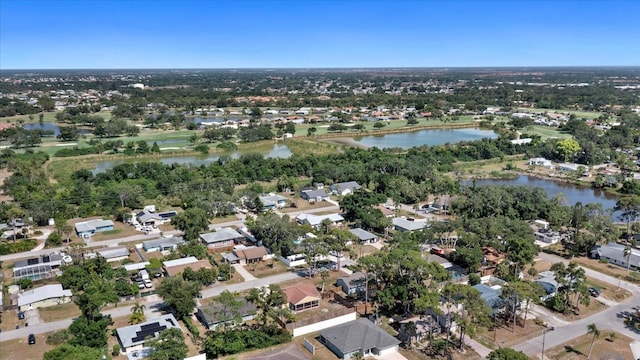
140,285
147,283
595,292
21,315
32,339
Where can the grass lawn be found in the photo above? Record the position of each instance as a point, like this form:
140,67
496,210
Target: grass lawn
546,132
605,268
506,336
266,268
19,349
603,348
59,312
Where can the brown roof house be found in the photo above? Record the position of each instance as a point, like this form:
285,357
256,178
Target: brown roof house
302,297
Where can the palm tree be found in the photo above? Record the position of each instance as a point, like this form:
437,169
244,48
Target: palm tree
137,313
592,329
627,254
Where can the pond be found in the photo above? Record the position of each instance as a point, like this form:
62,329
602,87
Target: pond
572,193
48,126
429,137
275,151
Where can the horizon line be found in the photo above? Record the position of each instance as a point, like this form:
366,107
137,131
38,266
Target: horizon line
331,68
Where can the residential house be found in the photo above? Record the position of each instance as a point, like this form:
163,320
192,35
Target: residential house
302,297
48,295
88,228
214,315
344,188
547,236
250,254
272,201
540,162
178,266
353,284
359,336
364,236
316,220
408,224
491,296
222,239
569,168
547,279
162,244
132,338
314,195
148,218
614,254
37,268
111,254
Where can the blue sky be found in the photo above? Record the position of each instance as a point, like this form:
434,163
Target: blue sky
257,34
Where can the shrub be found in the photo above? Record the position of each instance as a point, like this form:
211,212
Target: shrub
116,350
192,328
57,337
16,247
25,283
474,279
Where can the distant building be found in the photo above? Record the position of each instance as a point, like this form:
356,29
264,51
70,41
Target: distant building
344,188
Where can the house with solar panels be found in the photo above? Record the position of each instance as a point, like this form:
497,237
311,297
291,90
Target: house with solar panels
132,338
37,268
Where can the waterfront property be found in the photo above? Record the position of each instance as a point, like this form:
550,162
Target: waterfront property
359,336
615,254
90,227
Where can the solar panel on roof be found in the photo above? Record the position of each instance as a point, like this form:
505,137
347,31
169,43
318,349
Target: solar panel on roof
32,261
142,334
149,326
46,259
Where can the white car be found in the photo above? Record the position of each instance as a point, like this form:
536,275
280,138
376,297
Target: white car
148,284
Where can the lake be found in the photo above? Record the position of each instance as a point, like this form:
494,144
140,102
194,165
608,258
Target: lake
275,151
571,192
429,137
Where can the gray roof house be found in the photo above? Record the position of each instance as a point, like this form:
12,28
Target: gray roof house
88,228
111,254
215,314
272,201
147,218
133,337
312,195
614,253
344,188
352,284
361,336
221,238
364,236
490,296
162,244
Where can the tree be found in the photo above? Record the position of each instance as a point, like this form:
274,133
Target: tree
592,329
76,352
229,312
179,295
68,133
169,345
507,354
191,222
567,148
630,208
270,302
137,313
627,254
324,275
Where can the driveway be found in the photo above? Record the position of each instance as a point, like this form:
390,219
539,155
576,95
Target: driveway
243,272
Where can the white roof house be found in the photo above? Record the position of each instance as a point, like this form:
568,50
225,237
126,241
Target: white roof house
178,262
316,220
53,291
403,224
92,226
221,236
134,336
110,253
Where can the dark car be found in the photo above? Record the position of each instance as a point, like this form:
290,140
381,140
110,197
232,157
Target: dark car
32,339
595,292
21,315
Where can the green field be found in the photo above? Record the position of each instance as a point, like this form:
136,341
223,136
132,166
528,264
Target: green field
547,132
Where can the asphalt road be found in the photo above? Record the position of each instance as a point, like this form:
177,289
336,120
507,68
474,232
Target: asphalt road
607,320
